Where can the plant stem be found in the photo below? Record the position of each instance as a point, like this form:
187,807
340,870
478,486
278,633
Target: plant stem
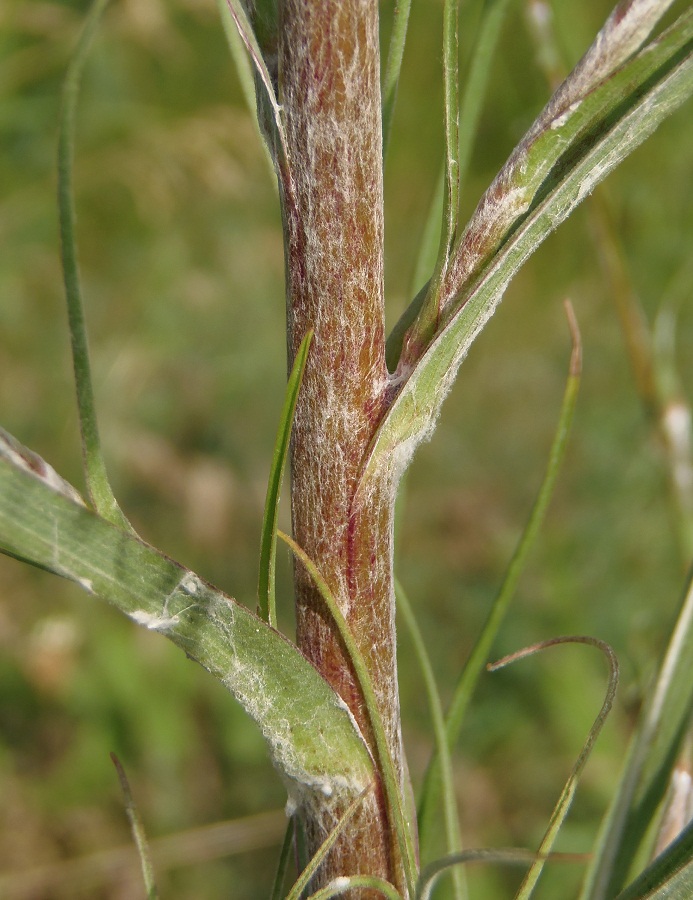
331,187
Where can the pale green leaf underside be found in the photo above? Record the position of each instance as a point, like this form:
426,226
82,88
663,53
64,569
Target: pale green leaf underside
310,733
588,141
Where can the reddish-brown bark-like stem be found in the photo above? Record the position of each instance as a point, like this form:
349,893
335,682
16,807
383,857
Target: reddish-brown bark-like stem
329,89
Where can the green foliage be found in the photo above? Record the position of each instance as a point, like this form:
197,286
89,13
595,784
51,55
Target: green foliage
589,140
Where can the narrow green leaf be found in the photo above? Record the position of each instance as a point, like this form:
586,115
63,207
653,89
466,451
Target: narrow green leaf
245,76
386,767
476,81
670,876
425,264
565,800
393,66
586,142
451,92
268,548
428,314
475,88
651,758
138,833
310,735
245,29
450,813
430,797
283,861
98,486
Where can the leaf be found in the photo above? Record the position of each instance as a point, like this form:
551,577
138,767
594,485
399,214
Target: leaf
268,547
268,95
442,750
565,800
475,87
670,876
98,486
466,684
393,66
504,856
548,176
246,77
138,832
651,758
310,733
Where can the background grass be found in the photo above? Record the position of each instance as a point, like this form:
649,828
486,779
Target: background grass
181,255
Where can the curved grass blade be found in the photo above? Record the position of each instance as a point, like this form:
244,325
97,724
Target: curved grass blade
138,833
385,765
430,798
311,737
565,800
393,66
266,604
442,750
98,486
432,872
652,755
314,864
669,877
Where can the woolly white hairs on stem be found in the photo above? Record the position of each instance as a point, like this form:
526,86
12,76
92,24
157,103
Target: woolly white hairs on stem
333,212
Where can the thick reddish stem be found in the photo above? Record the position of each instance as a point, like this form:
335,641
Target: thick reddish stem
333,216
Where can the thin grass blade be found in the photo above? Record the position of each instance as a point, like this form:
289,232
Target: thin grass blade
98,486
138,832
393,67
246,78
476,81
565,800
283,861
451,92
425,264
431,873
245,29
266,602
429,803
475,88
429,313
442,750
651,758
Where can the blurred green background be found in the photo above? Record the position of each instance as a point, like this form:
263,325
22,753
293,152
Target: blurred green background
181,255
